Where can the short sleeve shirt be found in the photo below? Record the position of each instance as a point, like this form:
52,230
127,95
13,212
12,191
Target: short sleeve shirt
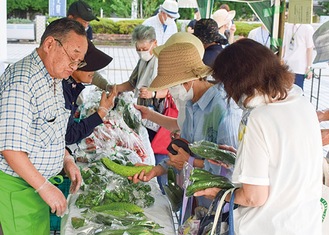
33,117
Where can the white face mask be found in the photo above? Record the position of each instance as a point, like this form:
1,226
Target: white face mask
145,55
169,21
179,92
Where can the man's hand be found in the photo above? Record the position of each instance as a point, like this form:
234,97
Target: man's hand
73,172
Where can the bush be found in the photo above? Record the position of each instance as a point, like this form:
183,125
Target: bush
243,28
108,26
104,26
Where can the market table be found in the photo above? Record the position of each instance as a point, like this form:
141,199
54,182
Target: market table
160,213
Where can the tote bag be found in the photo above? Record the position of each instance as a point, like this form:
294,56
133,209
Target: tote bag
162,138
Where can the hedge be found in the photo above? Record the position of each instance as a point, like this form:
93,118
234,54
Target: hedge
108,26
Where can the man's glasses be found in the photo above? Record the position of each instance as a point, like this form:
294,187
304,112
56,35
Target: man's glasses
79,64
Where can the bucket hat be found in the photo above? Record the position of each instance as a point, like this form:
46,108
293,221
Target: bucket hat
181,37
223,17
95,59
82,10
179,63
170,7
321,43
207,31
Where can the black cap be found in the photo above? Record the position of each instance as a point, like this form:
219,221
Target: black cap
82,10
95,58
207,31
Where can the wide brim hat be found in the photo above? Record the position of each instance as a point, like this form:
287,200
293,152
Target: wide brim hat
95,59
207,31
181,37
82,10
179,63
321,43
223,17
170,7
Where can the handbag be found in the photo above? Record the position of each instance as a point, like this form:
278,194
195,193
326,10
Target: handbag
325,198
212,224
216,228
162,138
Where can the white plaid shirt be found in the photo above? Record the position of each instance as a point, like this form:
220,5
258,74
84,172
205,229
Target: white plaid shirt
33,117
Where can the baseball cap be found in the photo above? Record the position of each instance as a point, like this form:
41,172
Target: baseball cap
170,7
95,59
82,10
207,31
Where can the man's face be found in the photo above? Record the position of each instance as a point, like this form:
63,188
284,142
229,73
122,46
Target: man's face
64,57
83,22
83,76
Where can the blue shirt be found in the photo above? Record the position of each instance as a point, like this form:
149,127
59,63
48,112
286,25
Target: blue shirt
76,131
211,118
32,115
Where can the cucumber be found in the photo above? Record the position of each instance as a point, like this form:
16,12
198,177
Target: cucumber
208,150
122,170
222,182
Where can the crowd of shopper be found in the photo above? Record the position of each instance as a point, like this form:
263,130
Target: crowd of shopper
230,92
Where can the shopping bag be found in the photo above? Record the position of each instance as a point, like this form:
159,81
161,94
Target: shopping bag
216,224
216,228
325,198
163,138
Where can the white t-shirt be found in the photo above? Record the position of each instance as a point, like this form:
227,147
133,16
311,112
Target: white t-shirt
295,54
260,35
161,34
280,146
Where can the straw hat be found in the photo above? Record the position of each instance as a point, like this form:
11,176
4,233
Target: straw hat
223,17
178,38
178,63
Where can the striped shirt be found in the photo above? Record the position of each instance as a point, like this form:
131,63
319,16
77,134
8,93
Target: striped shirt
33,117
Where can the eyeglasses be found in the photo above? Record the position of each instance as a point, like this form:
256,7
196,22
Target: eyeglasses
79,64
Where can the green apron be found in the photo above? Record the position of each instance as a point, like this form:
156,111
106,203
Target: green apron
22,210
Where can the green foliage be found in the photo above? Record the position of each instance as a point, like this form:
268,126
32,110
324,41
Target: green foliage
243,28
243,11
104,26
127,27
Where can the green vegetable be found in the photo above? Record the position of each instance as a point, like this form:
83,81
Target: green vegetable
171,175
122,170
202,179
131,119
119,206
77,222
209,150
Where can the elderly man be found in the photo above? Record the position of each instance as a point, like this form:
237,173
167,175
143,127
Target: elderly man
32,130
164,22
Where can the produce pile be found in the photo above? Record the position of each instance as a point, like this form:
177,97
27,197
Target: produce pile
111,204
120,134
